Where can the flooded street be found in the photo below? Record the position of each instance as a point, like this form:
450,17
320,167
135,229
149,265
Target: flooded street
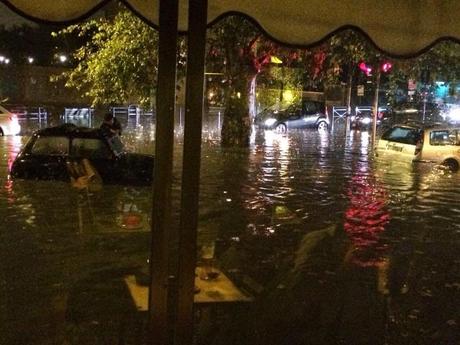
335,245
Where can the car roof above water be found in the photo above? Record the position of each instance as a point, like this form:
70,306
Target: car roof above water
71,131
421,125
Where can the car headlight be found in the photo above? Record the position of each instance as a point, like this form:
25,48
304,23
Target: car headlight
366,120
454,114
353,118
270,122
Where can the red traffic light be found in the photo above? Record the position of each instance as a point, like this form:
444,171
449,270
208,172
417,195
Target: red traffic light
386,66
365,68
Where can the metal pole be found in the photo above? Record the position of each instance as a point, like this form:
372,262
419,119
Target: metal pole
375,109
332,119
350,86
218,121
424,103
158,327
191,170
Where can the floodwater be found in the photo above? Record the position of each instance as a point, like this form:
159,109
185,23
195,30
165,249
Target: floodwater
334,245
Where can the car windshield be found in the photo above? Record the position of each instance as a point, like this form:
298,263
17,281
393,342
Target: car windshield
50,146
404,135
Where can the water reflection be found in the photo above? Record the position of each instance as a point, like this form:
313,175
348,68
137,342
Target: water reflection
365,219
336,246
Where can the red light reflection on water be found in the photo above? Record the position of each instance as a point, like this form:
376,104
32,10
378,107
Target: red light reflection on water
365,219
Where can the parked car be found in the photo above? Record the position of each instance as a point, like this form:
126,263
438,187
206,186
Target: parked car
415,110
422,143
49,152
364,118
308,114
9,124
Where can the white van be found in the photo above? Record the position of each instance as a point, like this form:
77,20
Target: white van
9,124
417,143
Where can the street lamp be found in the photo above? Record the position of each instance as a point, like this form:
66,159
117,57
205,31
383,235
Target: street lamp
62,58
4,60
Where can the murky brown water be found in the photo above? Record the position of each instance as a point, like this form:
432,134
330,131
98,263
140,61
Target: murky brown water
336,246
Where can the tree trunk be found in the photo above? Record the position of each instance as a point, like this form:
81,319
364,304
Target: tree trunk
236,127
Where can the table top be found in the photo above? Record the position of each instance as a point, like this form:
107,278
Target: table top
218,290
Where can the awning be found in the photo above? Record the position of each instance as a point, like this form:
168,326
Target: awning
400,28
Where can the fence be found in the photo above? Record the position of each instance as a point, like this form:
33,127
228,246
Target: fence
131,111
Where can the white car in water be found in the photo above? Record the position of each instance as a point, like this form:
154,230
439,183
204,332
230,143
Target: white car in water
422,143
9,124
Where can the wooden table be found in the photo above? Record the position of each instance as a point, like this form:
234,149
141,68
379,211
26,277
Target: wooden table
219,290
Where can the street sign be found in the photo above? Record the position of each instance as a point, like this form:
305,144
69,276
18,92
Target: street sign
360,90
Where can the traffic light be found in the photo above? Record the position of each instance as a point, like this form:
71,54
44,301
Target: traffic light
365,68
386,66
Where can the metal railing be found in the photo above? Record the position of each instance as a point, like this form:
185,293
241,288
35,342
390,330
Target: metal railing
131,111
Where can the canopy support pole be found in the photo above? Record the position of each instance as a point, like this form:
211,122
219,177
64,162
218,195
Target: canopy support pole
158,326
197,19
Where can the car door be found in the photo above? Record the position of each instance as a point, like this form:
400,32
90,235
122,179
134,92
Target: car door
443,144
310,113
294,117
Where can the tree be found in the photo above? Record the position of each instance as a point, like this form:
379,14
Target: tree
442,61
346,50
118,63
235,46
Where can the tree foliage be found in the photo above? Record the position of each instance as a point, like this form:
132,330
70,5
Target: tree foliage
118,63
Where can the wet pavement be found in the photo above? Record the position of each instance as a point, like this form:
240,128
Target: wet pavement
336,246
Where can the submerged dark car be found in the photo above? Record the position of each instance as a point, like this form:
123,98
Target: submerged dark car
308,114
49,152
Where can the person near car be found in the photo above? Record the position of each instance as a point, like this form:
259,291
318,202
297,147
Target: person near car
110,126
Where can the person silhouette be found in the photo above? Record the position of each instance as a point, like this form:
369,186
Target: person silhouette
110,126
